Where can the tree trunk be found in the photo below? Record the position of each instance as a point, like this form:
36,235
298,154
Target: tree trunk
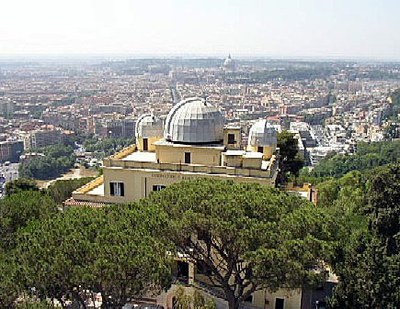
233,303
104,300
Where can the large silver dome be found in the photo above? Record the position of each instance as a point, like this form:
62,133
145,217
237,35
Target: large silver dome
194,121
262,133
148,126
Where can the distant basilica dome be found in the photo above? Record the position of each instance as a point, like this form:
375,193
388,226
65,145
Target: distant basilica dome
194,121
229,63
262,134
148,126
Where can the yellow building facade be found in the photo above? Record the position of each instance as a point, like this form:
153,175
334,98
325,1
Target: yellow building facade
193,142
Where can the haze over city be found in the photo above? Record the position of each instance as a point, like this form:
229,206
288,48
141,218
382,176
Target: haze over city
300,29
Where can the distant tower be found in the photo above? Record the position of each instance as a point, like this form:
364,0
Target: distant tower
229,64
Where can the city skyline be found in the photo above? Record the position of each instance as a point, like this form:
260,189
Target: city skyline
290,29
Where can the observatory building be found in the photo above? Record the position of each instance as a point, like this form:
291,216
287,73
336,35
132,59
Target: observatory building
193,142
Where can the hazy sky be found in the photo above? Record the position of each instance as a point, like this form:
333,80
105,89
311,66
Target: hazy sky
271,28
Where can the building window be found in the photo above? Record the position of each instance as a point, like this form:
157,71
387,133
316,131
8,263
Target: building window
231,139
145,144
279,303
117,189
260,149
158,187
182,272
187,157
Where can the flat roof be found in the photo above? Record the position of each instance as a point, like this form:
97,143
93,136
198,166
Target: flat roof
99,190
141,156
234,152
253,155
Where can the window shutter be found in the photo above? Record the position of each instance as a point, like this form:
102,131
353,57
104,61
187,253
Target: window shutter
122,188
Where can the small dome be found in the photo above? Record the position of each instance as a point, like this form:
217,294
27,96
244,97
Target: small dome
148,126
262,133
194,121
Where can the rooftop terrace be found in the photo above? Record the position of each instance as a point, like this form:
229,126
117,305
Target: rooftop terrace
129,158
